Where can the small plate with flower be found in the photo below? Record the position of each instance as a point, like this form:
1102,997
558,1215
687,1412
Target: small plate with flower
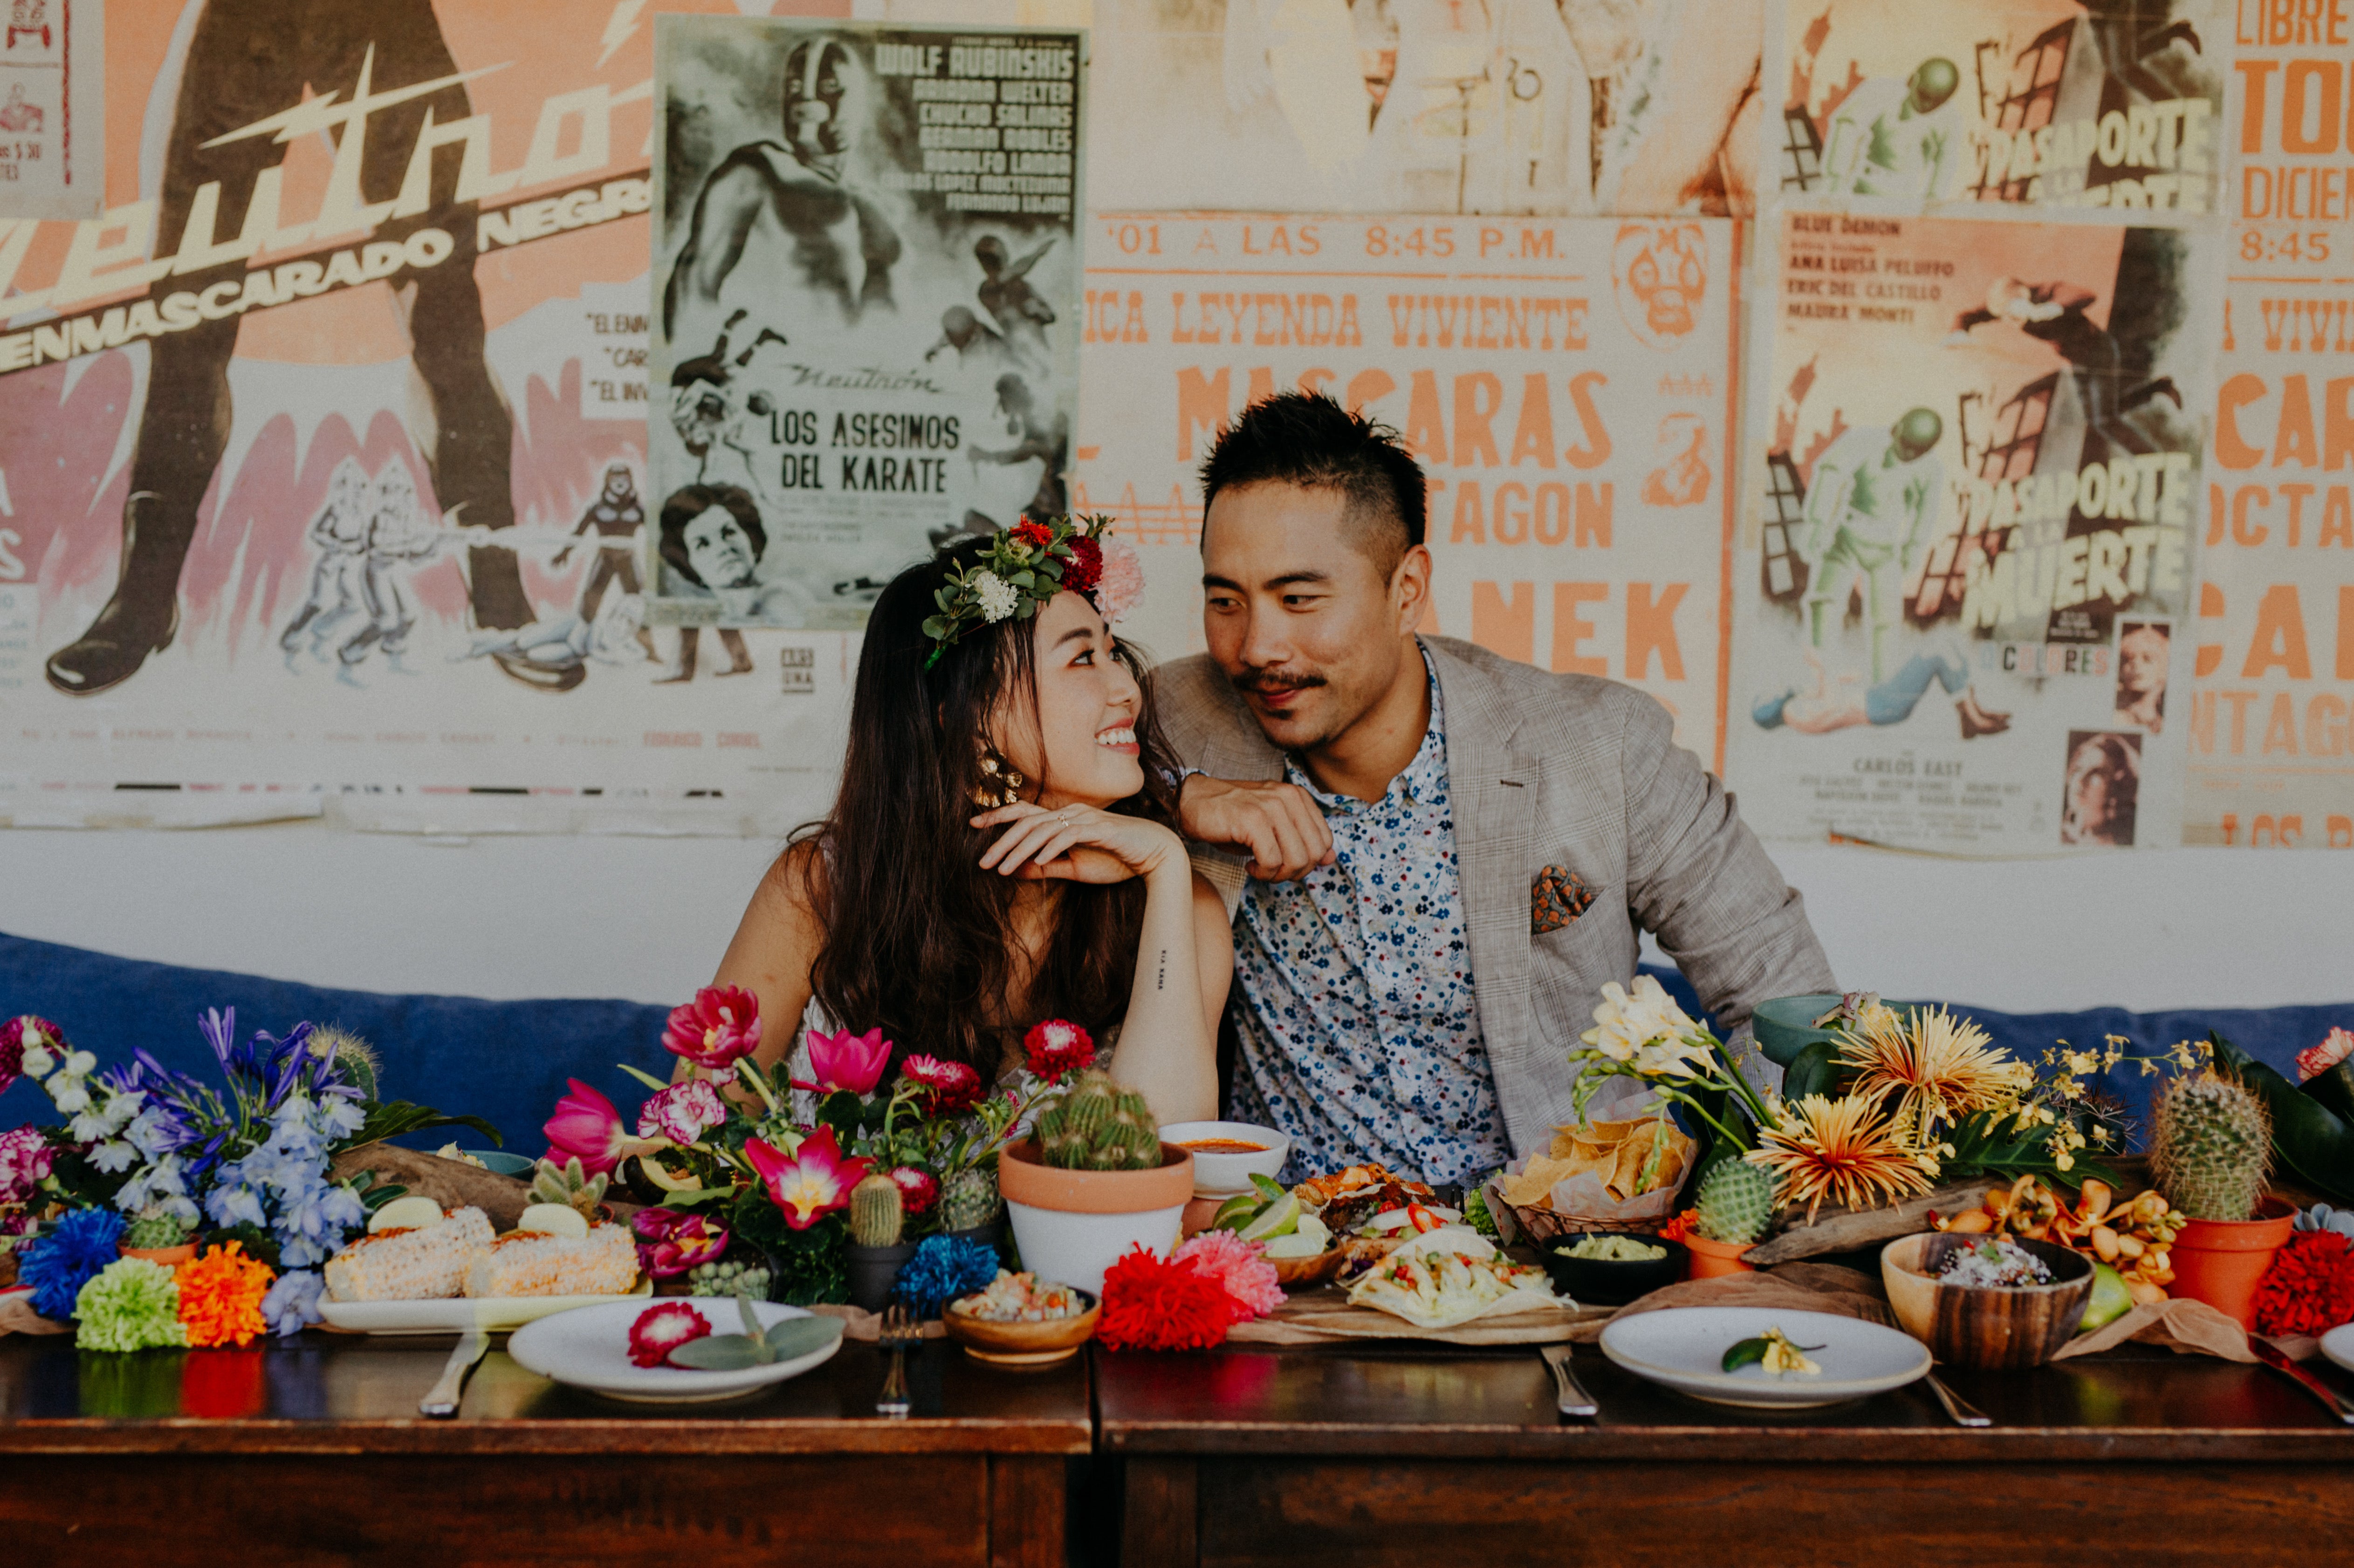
589,1347
1684,1347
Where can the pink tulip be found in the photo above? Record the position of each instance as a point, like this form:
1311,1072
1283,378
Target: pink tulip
807,1185
671,1241
846,1061
722,1023
585,1124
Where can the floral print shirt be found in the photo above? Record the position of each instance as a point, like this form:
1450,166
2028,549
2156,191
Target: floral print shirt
1359,1036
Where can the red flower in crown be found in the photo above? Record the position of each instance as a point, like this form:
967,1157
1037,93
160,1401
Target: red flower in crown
1084,568
1037,535
949,1088
722,1023
1057,1047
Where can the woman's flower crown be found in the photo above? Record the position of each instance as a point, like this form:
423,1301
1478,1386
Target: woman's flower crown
1027,566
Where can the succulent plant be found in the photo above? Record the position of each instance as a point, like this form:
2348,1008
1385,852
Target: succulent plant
729,1279
1735,1202
970,1201
2210,1143
153,1230
877,1213
568,1184
1098,1126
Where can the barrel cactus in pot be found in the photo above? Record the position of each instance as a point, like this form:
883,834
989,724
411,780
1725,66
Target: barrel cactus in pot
1093,1181
2210,1147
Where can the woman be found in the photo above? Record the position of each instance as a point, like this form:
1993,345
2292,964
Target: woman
1002,849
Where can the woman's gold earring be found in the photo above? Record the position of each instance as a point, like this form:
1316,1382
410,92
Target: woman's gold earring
1000,781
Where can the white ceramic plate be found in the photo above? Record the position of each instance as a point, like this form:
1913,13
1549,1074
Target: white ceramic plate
1683,1347
2338,1345
456,1314
589,1347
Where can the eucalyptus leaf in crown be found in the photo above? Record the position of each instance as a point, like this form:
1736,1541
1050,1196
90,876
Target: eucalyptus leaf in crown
1025,566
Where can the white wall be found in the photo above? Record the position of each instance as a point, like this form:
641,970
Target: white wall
646,918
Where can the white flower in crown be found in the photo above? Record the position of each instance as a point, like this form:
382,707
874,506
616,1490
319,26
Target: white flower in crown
995,595
1645,1027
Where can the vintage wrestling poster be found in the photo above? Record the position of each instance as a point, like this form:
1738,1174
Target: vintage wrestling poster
2042,107
52,119
865,301
1566,385
324,462
1498,107
2272,677
1974,486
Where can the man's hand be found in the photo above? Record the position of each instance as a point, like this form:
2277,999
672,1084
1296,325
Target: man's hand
1278,824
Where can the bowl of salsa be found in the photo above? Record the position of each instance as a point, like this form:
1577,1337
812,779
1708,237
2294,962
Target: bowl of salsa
1226,1153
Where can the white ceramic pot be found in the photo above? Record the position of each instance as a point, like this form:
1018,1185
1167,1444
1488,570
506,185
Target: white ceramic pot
1071,1225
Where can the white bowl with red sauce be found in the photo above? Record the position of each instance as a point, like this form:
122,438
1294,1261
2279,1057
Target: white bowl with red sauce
1227,1153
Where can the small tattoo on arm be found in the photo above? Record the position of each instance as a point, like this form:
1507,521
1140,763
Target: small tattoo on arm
1160,975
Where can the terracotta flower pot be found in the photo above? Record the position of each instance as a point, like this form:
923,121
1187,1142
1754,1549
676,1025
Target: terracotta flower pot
1712,1259
2220,1262
169,1257
1071,1225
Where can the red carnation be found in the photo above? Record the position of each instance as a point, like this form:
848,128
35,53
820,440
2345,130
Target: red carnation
950,1088
1152,1304
2309,1290
1057,1047
918,1189
661,1329
1084,568
1037,535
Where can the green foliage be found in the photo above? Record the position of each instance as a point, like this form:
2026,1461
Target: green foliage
2210,1144
1737,1202
781,1341
390,1119
806,1268
1098,1126
877,1213
2311,1139
1476,1214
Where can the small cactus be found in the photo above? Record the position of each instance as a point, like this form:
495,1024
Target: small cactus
878,1214
729,1279
2210,1143
153,1230
1098,1126
568,1184
1735,1202
969,1199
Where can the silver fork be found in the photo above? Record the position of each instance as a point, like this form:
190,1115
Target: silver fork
898,1333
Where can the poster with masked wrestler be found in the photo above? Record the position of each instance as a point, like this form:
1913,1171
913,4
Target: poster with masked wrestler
324,462
2067,109
1566,385
1966,546
865,306
1459,107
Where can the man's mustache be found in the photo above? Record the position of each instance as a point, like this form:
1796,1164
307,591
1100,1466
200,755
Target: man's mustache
1268,681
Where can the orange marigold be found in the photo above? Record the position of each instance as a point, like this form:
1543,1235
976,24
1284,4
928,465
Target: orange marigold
220,1296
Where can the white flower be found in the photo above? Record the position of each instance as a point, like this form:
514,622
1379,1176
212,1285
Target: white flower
1645,1027
38,1061
994,594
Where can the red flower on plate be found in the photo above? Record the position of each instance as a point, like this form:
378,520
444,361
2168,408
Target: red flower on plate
1057,1047
721,1024
949,1088
662,1328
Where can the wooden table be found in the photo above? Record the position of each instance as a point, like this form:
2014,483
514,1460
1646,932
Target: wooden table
314,1453
1422,1456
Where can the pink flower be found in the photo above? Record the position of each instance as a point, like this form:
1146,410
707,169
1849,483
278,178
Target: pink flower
846,1061
661,1329
1056,1047
46,1034
672,1240
1237,1265
722,1023
810,1184
682,1112
918,1189
585,1124
25,1156
950,1088
1121,587
2315,1060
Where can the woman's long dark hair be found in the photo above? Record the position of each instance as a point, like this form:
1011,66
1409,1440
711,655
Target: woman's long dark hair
919,939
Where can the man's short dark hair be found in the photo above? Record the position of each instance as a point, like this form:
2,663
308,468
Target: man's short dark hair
1306,440
686,505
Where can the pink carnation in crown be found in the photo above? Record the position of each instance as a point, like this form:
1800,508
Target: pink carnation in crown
1121,589
682,1112
2315,1060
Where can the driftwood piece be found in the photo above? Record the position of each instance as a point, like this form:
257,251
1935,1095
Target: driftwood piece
453,1184
1846,1230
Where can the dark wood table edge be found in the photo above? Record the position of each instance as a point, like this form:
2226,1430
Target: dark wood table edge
1575,1441
571,1435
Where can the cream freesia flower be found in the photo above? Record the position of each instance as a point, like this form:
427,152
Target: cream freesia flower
1627,1024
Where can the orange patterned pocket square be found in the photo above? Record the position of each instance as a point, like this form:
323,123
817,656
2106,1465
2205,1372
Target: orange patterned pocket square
1558,897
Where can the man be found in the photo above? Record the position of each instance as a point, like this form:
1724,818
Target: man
711,542
1891,138
1475,845
1005,293
1868,507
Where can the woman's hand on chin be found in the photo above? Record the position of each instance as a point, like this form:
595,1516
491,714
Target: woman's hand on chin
1076,844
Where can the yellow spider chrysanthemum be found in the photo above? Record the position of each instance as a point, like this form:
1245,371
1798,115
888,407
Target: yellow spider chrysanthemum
1846,1150
1939,1069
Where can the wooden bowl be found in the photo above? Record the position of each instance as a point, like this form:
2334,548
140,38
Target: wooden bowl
1022,1344
1985,1326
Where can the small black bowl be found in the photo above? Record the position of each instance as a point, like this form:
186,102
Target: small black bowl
1604,1282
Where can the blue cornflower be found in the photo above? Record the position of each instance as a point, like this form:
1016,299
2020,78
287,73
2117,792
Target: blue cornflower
944,1268
292,1304
59,1263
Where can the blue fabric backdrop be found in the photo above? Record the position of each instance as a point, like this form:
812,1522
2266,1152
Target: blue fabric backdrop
507,1061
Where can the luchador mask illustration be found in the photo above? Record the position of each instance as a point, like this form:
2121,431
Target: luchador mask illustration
619,484
817,75
1659,272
